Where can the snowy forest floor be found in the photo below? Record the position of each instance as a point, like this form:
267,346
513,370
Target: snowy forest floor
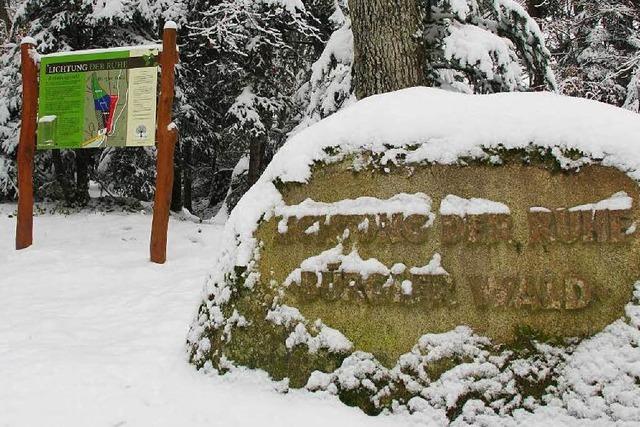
92,334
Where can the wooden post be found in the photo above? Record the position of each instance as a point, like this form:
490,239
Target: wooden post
167,136
27,144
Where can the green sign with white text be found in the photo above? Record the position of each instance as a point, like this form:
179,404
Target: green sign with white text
98,98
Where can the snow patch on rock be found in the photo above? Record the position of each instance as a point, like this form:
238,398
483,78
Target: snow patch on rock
433,268
407,204
618,202
350,263
454,205
327,338
283,315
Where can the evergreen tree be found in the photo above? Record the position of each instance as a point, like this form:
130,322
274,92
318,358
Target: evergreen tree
329,86
485,46
247,79
469,46
6,20
479,46
253,56
597,47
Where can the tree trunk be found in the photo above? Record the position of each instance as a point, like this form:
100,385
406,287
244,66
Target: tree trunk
536,8
213,191
61,177
187,175
4,16
176,194
388,54
83,158
257,147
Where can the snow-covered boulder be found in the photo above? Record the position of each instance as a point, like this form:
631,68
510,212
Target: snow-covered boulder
429,251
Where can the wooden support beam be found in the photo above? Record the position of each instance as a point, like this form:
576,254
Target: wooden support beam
167,136
27,143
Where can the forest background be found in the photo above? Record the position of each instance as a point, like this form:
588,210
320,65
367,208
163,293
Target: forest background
254,72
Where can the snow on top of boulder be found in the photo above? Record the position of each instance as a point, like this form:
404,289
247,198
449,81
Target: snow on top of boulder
449,125
440,127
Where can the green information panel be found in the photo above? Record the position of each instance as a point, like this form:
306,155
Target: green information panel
98,98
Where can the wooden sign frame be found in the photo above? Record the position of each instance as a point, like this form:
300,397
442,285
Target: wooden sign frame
166,138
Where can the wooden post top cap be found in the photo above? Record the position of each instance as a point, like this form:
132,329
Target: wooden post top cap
29,40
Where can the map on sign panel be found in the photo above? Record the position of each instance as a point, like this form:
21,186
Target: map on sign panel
109,100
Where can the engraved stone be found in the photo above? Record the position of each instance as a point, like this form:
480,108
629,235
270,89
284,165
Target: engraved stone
309,288
375,290
453,230
366,229
526,295
560,261
414,228
430,290
577,294
482,228
551,293
390,229
567,225
601,225
587,226
619,223
517,251
499,227
540,226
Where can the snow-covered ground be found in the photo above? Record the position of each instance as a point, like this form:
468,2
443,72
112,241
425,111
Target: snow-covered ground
92,334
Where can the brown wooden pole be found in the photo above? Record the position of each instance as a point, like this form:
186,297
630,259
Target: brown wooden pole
167,136
27,144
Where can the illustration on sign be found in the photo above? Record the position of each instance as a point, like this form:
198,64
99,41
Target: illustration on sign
98,98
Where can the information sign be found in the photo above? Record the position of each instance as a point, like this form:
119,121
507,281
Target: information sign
98,98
